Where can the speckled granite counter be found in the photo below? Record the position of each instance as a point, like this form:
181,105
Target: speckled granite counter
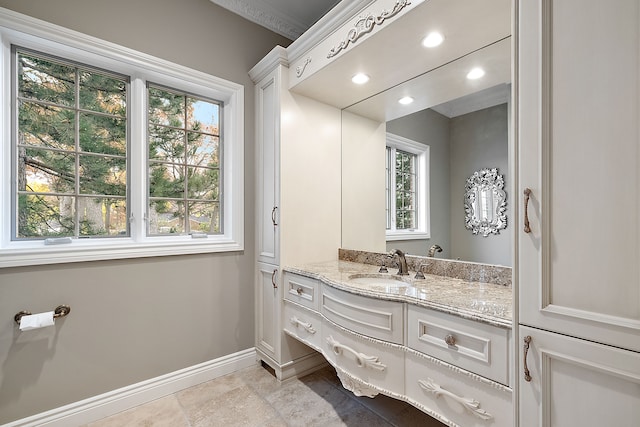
483,302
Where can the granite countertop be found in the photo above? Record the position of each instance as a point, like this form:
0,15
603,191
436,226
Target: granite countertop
482,302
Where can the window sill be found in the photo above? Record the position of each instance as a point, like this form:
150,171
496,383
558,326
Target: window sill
20,257
407,235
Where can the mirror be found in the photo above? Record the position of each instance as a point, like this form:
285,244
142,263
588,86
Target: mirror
465,124
485,202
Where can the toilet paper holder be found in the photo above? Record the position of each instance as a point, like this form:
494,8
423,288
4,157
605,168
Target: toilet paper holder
60,311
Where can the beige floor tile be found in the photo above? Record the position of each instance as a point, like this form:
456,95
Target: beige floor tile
240,406
165,412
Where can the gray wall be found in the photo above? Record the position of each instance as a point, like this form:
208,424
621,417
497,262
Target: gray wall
478,140
136,319
459,147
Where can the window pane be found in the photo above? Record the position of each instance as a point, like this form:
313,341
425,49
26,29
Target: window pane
45,80
46,126
203,184
45,216
204,150
203,116
103,134
166,108
166,180
204,217
102,93
102,216
166,144
46,171
103,175
166,217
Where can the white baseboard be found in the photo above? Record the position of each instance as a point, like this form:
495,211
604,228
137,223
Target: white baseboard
104,405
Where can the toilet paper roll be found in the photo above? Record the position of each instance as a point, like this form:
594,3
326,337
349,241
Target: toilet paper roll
36,321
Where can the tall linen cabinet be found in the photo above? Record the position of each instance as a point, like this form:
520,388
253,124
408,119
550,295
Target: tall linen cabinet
297,202
579,258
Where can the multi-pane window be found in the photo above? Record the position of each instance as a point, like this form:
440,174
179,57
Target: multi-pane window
184,163
407,189
71,150
401,189
111,153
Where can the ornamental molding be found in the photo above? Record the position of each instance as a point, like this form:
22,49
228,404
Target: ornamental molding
355,387
300,68
365,24
266,18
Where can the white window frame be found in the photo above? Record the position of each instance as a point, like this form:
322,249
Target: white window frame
27,32
421,151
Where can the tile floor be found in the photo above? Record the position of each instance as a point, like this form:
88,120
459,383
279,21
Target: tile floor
253,397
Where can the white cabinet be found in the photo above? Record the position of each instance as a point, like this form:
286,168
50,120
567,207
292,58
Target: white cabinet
297,211
578,267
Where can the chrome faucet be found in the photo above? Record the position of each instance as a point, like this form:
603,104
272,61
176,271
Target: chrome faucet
403,270
433,249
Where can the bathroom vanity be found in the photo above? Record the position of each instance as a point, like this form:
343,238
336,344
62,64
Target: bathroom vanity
568,351
439,343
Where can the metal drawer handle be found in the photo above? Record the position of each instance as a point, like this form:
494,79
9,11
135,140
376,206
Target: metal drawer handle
450,340
362,360
273,279
527,341
467,403
273,215
307,326
527,194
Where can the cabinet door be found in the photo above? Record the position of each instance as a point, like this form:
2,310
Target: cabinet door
268,162
268,304
577,383
579,153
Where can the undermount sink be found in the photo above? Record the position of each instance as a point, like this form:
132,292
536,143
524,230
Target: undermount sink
378,279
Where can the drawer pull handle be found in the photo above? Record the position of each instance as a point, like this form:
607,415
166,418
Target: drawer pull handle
362,360
470,404
527,194
450,340
299,291
273,216
273,279
527,342
307,326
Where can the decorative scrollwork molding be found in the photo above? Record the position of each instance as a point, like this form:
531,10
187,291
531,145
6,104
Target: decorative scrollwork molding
362,360
306,326
485,202
365,24
471,405
356,388
300,68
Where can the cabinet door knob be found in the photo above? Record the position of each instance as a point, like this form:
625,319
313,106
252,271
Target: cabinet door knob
527,194
299,291
527,341
273,279
450,340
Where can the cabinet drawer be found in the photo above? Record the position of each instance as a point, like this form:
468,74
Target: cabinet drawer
456,396
301,290
368,316
475,346
303,324
369,362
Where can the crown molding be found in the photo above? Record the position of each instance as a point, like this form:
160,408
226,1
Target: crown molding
266,17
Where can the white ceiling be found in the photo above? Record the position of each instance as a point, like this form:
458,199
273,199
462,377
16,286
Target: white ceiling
289,18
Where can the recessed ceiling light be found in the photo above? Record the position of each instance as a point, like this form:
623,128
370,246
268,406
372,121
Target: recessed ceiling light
406,100
360,78
433,39
475,73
